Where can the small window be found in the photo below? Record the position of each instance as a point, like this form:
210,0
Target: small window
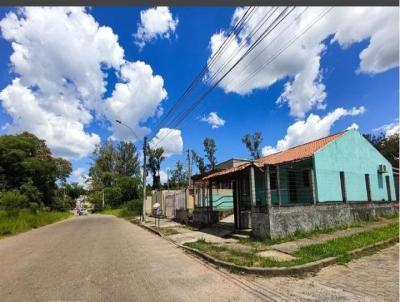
272,181
306,178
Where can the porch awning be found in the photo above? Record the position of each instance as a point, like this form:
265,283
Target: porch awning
227,172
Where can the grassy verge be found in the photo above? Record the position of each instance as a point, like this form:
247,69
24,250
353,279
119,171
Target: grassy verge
130,210
168,231
25,220
262,244
339,247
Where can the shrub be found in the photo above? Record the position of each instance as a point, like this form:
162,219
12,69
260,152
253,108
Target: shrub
129,187
62,203
13,201
32,192
113,196
131,209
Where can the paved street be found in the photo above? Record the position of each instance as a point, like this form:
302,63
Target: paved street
103,258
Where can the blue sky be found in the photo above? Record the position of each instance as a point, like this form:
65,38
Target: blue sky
336,65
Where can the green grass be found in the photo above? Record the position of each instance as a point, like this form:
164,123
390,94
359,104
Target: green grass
24,220
262,244
339,247
130,210
168,231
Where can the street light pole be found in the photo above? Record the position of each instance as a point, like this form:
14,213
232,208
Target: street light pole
144,178
144,167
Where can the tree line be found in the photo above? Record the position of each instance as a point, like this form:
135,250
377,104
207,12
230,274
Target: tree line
31,177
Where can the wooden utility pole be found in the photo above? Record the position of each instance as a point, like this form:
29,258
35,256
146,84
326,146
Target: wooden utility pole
189,175
189,168
144,177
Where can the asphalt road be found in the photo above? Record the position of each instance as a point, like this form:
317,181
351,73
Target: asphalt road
103,258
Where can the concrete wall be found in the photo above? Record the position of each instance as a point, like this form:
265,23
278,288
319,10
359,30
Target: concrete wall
281,222
354,155
204,216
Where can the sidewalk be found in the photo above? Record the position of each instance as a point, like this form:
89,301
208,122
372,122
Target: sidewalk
214,233
291,247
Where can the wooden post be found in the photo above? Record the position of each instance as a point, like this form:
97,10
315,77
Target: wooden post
312,185
210,197
268,200
252,187
278,186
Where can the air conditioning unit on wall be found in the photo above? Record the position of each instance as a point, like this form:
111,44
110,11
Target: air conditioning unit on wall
382,168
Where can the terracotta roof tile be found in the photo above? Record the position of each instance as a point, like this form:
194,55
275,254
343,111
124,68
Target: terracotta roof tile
227,171
299,152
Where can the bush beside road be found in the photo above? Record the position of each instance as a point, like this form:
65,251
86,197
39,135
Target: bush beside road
25,220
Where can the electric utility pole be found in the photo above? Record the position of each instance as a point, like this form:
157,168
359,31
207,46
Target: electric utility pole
144,178
189,167
188,179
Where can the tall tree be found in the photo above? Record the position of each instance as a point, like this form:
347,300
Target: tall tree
388,146
252,143
210,149
102,170
26,164
156,157
178,176
199,161
127,159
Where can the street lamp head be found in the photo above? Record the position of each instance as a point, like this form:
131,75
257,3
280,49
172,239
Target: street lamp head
118,121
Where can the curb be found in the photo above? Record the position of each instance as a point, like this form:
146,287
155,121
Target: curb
273,271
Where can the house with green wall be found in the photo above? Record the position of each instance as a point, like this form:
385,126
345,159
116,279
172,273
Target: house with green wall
336,179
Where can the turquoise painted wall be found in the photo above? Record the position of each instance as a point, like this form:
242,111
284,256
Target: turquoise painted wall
221,202
303,193
354,155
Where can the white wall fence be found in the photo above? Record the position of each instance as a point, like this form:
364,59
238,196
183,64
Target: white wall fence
170,201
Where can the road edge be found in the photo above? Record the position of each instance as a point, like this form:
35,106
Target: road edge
310,267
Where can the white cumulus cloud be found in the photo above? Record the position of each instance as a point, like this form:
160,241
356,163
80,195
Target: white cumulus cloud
170,140
156,22
60,61
131,103
353,126
214,120
389,129
312,128
280,57
65,136
80,176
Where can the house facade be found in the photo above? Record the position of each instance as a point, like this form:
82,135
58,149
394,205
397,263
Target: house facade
334,180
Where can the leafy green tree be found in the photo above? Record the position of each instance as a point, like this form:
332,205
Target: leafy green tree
25,159
199,161
210,149
129,187
127,159
103,168
155,158
178,176
387,146
253,143
74,190
31,192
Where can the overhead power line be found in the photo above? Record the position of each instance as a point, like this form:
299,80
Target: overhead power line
237,28
273,24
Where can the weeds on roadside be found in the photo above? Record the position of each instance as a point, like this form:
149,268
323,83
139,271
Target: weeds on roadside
338,247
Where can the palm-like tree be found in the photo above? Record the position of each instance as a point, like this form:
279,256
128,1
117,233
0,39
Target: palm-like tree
154,164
